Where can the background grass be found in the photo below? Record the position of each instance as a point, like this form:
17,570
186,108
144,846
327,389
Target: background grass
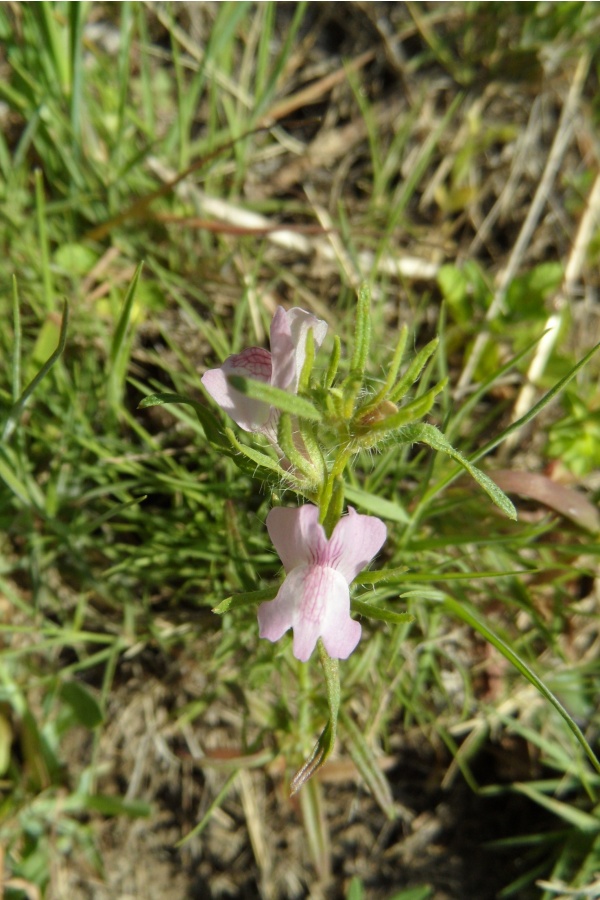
253,155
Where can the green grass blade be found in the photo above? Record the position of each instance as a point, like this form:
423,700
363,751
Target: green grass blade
16,348
462,612
18,407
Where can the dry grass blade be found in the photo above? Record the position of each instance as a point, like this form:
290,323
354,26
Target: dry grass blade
562,138
585,232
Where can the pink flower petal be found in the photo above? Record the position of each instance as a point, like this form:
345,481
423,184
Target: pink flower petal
297,535
355,541
282,351
250,415
339,631
299,323
314,588
276,616
288,345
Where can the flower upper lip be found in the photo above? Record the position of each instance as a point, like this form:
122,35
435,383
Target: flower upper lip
281,368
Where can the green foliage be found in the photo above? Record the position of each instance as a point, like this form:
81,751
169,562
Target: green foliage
575,438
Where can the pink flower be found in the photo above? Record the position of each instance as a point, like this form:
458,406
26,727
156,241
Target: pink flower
314,599
281,368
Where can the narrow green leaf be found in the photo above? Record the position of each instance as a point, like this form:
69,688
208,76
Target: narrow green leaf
566,811
282,400
420,892
429,434
40,202
461,611
77,14
118,340
16,354
120,348
216,803
387,509
381,613
239,601
376,576
95,523
111,806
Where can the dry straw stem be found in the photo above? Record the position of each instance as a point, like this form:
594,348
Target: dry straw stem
561,141
589,221
411,267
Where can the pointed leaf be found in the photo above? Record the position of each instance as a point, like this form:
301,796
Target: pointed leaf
414,370
386,509
381,613
429,434
239,601
362,333
282,400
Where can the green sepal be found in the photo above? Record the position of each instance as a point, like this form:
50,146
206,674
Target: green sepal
273,396
362,332
351,388
309,361
381,613
429,434
208,421
331,514
263,464
335,474
334,361
239,601
313,448
285,439
382,393
409,413
414,370
326,741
